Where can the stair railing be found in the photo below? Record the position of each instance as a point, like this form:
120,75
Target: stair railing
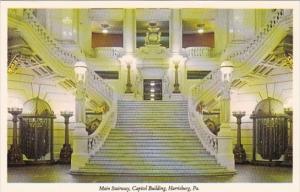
97,139
66,57
280,17
207,138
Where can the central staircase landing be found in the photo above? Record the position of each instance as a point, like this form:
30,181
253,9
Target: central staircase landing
152,138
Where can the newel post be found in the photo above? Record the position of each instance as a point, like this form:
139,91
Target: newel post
224,155
80,135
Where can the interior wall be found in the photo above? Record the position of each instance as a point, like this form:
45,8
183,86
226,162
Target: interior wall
198,40
107,40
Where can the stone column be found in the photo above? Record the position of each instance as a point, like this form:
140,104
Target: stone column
225,155
175,31
129,31
80,135
129,44
242,24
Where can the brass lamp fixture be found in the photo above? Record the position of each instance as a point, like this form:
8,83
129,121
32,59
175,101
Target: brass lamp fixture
239,151
200,28
105,27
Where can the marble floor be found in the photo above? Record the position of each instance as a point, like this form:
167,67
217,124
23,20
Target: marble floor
60,174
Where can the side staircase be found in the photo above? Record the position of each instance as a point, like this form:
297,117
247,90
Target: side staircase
152,138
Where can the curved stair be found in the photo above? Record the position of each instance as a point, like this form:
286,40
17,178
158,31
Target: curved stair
152,138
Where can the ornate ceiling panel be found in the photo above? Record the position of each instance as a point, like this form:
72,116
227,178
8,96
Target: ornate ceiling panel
106,14
153,14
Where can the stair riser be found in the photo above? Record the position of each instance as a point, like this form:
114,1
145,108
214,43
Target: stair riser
154,163
154,167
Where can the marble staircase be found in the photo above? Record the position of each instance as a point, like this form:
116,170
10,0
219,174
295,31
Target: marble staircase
152,138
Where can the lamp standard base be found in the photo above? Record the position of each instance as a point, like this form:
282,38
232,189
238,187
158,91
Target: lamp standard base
65,154
176,88
128,88
14,156
288,156
239,154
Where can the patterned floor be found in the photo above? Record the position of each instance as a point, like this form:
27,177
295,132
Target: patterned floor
60,174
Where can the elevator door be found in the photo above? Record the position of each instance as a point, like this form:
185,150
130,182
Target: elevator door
152,89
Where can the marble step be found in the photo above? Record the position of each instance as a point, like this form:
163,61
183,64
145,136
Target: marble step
155,113
150,155
122,134
158,116
154,167
153,139
155,147
157,143
153,162
153,158
154,172
152,142
152,124
151,151
153,130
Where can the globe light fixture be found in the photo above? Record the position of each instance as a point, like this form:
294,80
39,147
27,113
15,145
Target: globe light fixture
226,70
80,70
105,28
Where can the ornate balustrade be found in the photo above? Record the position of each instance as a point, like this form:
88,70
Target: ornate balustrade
280,16
247,54
111,52
97,139
204,52
99,84
208,139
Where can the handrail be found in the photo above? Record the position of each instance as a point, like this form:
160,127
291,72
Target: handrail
280,16
97,139
207,138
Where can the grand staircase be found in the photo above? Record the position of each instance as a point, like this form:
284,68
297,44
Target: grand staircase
152,138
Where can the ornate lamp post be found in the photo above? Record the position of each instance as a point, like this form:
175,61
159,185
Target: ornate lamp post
80,136
128,61
239,151
66,151
15,156
288,156
176,61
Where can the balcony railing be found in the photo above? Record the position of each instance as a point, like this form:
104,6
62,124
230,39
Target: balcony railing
111,52
204,52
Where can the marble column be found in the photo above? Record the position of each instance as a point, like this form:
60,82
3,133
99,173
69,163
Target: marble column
175,31
242,24
80,135
129,31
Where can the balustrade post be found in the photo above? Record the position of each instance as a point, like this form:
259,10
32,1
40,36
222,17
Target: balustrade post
80,135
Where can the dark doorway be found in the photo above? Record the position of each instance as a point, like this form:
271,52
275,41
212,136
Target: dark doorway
152,89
